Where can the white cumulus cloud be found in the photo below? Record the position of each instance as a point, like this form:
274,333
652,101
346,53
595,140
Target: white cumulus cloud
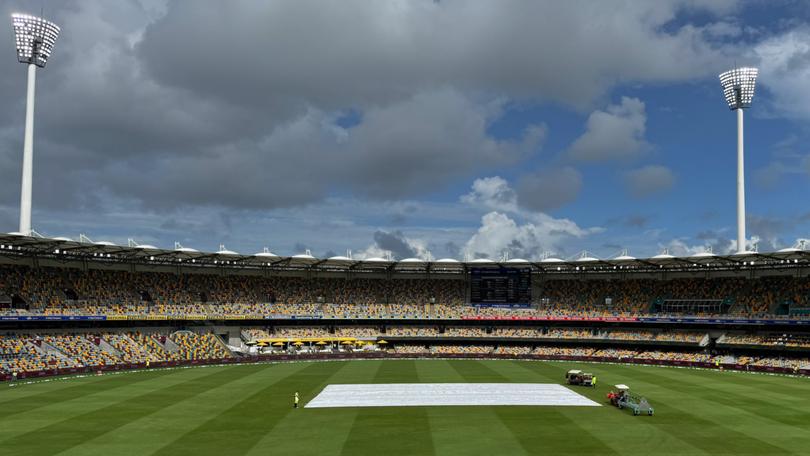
499,233
615,133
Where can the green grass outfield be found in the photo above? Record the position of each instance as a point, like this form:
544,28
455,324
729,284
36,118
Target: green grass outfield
236,410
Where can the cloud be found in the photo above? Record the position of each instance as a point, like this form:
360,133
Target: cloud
680,248
395,245
648,180
512,228
719,244
768,230
766,233
409,148
536,192
548,189
417,145
784,65
169,117
373,52
717,241
616,133
499,234
492,193
246,120
452,250
723,29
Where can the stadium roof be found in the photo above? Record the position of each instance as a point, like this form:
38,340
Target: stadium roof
14,245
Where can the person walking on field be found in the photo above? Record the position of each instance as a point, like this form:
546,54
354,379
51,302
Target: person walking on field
295,400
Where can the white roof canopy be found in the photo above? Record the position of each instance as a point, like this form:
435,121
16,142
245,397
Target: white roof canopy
790,257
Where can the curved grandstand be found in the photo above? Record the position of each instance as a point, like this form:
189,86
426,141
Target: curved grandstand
69,307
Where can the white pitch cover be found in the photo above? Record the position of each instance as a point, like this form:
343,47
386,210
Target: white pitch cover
441,394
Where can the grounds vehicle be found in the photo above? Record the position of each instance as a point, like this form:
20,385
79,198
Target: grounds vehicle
621,398
577,377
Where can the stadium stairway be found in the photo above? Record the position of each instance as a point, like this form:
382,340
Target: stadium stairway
153,347
48,349
169,345
222,343
103,345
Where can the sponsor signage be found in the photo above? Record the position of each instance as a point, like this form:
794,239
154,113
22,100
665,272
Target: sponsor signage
52,317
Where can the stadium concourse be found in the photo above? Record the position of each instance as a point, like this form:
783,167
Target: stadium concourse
65,311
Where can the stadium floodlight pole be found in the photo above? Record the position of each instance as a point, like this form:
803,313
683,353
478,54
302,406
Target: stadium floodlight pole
738,88
35,38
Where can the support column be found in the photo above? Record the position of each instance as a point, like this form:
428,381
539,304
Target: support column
740,184
28,154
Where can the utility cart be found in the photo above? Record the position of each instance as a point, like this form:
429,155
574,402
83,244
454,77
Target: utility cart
622,398
577,377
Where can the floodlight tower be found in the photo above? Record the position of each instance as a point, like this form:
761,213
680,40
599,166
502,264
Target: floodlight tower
35,38
738,88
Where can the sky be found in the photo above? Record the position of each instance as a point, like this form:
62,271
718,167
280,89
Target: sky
416,128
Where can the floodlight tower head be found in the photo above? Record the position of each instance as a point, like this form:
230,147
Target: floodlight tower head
738,87
35,38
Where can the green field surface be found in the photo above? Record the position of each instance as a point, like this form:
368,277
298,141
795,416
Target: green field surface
236,410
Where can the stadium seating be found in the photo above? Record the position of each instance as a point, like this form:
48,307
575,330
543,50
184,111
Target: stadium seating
321,307
56,291
412,331
773,340
30,352
84,349
191,346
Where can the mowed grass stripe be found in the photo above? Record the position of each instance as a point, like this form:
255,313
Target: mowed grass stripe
692,423
237,429
774,389
480,431
49,397
391,430
779,387
537,429
29,421
745,402
22,388
788,386
73,431
296,433
689,420
607,422
166,424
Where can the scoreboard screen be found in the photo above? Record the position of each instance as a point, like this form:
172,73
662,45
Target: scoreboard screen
504,286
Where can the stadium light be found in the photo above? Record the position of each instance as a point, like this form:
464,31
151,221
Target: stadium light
738,89
35,38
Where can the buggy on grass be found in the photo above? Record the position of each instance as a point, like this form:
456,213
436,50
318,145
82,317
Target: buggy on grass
577,377
621,397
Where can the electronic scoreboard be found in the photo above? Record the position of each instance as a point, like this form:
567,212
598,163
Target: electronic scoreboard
500,286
